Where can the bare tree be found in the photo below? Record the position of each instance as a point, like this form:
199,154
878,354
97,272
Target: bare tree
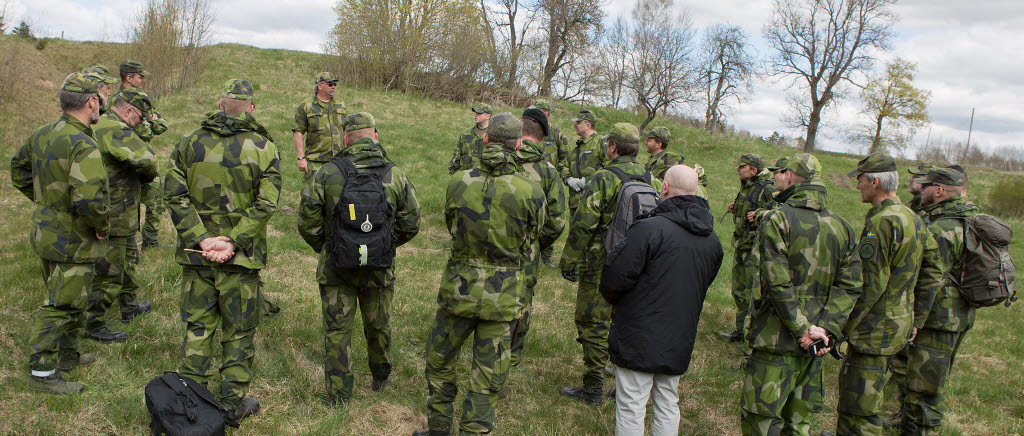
569,28
170,37
509,21
612,67
821,43
661,69
896,108
727,71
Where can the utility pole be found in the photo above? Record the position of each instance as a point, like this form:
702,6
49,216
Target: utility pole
928,139
970,129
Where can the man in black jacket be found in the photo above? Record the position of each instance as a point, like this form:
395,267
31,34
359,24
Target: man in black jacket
657,279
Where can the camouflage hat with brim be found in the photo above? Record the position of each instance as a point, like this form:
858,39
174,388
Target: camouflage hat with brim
753,159
543,105
133,67
537,115
943,176
779,164
137,98
237,89
585,115
505,126
325,77
624,132
359,121
81,82
874,163
921,169
803,165
660,133
483,109
102,73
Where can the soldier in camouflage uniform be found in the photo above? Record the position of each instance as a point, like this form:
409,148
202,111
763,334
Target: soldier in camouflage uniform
556,152
61,170
495,215
809,277
102,76
914,188
755,193
319,126
130,164
584,256
656,143
471,141
222,189
537,168
899,267
585,159
343,291
930,357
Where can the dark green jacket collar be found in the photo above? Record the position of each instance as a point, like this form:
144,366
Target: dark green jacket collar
951,207
78,124
531,152
805,195
496,160
230,125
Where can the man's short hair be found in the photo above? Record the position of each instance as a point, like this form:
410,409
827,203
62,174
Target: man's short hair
361,133
72,101
888,181
625,148
234,106
533,129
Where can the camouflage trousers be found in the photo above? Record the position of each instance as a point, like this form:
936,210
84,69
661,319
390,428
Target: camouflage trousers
491,356
226,299
780,393
593,319
532,270
114,279
57,323
861,385
744,283
339,311
920,371
313,167
152,197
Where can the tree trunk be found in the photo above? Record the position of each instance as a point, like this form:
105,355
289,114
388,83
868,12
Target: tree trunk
812,126
876,141
650,117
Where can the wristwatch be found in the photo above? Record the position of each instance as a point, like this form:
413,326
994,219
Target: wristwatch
302,157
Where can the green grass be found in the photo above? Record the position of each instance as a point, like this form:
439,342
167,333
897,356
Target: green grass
984,393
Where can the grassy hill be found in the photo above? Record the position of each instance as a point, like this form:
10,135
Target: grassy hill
984,393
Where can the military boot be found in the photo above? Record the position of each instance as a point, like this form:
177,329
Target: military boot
69,362
106,335
582,393
248,408
141,309
379,384
430,433
735,336
54,384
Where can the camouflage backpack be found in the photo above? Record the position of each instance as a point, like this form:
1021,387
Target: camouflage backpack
636,197
987,276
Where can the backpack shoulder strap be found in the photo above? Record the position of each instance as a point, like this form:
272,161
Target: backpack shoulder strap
345,165
628,178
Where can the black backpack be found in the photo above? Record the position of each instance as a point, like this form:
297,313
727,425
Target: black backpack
182,406
636,197
361,236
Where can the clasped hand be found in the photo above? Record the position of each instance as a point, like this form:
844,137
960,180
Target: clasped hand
218,249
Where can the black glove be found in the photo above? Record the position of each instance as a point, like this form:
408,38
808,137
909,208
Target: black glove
571,275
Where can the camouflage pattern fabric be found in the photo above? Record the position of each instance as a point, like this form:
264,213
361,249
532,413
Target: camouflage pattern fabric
467,151
861,385
915,205
149,128
659,163
744,271
489,372
929,362
224,298
780,393
537,168
131,164
950,312
114,279
342,291
584,160
556,151
322,126
57,323
152,198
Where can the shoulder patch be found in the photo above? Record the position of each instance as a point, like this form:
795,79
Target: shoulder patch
868,246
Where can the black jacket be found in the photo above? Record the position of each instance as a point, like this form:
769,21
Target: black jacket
656,279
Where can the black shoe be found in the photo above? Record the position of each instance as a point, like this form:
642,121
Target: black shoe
735,336
430,433
139,310
248,408
105,335
583,394
379,384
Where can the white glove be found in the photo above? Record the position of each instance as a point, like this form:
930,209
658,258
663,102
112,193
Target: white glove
577,183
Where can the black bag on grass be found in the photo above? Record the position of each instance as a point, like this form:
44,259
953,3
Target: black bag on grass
182,406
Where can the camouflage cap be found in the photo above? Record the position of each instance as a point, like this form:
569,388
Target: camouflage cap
505,126
542,104
753,159
537,115
779,164
101,72
877,162
237,89
81,82
944,176
660,133
130,66
624,132
359,121
483,109
325,77
922,169
804,165
137,98
585,115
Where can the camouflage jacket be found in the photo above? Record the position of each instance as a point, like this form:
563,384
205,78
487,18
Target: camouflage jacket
495,215
556,151
61,170
915,205
322,126
467,150
588,226
148,128
537,168
130,164
321,195
745,232
224,180
585,159
809,272
899,268
949,312
659,163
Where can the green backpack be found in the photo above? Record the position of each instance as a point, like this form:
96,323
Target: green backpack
988,275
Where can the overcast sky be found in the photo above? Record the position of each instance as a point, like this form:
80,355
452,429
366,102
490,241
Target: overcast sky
967,52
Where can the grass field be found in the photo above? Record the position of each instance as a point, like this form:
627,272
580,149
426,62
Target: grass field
985,394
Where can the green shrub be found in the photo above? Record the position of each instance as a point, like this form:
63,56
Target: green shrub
1007,198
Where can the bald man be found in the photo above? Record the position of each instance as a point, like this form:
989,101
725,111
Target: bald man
656,279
